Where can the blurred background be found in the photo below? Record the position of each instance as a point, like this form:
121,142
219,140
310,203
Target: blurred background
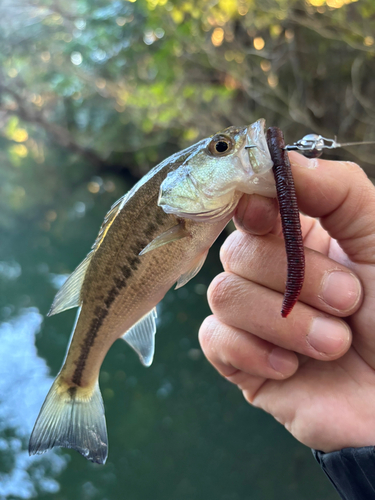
93,93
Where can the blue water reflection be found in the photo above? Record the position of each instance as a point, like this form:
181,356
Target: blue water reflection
24,382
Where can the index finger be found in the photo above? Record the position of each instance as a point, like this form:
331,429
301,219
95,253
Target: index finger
343,197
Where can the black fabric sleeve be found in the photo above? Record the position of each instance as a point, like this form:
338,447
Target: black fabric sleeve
351,471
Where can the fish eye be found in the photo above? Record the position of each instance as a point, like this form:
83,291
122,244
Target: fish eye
220,145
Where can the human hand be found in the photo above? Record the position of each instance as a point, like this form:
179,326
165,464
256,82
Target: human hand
314,372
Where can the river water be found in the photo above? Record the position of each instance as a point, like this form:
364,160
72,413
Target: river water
177,430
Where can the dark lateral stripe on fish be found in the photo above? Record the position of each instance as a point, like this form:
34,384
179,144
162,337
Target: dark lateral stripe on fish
101,313
72,392
115,290
136,248
112,294
88,342
151,229
120,283
134,262
126,271
96,323
160,216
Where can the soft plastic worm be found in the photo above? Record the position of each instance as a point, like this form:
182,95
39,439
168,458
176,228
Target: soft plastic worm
290,220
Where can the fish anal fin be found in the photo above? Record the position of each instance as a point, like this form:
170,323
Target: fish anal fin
141,337
193,271
71,417
174,233
69,294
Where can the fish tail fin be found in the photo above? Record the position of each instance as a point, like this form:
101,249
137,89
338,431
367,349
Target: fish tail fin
72,417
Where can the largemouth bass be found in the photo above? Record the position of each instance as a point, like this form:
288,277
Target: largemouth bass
156,235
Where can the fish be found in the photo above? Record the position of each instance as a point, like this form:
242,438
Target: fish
156,235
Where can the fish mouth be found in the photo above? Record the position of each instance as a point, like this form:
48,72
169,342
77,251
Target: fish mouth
256,147
212,215
255,155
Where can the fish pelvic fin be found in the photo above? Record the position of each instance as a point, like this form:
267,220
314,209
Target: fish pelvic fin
72,417
193,271
69,295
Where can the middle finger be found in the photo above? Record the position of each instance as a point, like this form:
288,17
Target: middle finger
328,285
253,308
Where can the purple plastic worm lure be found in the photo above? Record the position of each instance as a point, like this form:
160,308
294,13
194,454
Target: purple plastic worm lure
290,219
311,146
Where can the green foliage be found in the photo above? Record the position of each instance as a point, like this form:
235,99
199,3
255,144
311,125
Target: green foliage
115,77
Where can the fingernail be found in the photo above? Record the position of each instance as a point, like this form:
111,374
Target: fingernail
301,161
242,206
282,361
341,290
328,336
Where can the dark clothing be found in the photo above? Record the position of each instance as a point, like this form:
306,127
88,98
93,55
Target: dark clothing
351,471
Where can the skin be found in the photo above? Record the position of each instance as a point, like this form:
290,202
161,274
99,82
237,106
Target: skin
314,371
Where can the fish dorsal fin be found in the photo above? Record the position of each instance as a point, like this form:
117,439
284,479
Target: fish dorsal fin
69,294
172,234
193,271
108,220
141,337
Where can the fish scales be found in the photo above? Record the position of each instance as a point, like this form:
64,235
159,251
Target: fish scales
116,283
157,234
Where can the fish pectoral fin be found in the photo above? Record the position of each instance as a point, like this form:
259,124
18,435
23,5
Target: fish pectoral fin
193,271
69,294
141,337
172,234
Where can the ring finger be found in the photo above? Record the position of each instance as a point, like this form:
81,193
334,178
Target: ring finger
236,354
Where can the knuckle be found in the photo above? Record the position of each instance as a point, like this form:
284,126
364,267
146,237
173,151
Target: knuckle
213,338
239,248
207,334
219,291
353,167
249,396
230,249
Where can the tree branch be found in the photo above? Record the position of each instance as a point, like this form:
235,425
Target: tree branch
58,134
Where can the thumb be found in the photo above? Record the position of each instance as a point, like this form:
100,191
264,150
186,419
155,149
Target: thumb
343,197
256,214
